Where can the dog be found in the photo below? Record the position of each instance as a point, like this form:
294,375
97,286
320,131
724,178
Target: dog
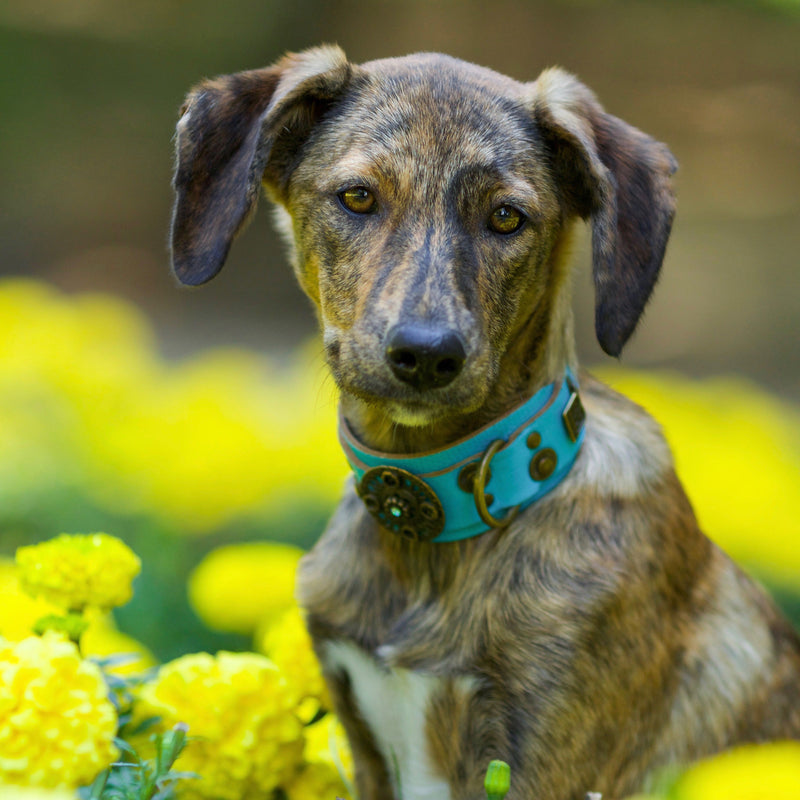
514,571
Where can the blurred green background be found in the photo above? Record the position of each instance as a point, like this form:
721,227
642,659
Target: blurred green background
109,426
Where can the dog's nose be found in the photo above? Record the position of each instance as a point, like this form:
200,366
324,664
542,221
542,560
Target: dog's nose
424,356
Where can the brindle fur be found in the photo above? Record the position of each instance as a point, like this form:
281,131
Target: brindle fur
601,636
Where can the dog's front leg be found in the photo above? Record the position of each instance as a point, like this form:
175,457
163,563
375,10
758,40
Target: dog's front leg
371,774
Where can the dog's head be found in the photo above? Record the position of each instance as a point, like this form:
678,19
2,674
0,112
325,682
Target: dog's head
428,202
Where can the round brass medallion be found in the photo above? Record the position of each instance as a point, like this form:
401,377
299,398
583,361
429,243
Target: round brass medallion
402,503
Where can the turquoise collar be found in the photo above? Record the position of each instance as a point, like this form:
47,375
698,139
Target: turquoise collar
480,482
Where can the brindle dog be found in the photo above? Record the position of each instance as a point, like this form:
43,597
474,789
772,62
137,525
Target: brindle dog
601,635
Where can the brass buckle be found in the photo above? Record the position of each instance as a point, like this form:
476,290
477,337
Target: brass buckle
574,415
479,486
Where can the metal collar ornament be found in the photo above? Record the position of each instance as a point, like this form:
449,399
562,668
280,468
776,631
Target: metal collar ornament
480,482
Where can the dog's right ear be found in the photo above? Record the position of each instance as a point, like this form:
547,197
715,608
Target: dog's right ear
234,132
620,178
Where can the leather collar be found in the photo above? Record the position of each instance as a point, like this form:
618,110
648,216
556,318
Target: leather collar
480,482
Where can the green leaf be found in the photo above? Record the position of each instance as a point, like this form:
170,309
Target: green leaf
115,660
73,625
143,726
99,783
125,747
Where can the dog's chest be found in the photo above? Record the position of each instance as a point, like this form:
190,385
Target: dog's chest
395,705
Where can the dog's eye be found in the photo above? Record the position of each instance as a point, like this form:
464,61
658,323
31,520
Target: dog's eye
358,200
506,219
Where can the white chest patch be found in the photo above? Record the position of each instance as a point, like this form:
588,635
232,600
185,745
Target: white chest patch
394,703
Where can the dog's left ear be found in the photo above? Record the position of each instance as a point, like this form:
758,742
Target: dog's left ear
234,132
614,174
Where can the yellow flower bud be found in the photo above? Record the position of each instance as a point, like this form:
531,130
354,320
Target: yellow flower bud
497,781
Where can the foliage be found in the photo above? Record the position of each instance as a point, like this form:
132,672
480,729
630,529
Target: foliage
140,778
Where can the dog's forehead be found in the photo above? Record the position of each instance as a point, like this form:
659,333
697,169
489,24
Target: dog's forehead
436,102
441,86
438,70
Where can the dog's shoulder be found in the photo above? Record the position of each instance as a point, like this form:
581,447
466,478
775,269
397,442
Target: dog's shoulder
346,583
625,453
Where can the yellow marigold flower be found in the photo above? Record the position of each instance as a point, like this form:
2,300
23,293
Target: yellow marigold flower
57,725
328,758
235,587
316,782
326,743
75,571
244,737
756,772
70,367
102,639
18,610
287,643
86,400
227,434
8,792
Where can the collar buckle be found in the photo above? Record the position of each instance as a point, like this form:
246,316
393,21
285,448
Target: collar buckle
574,414
482,500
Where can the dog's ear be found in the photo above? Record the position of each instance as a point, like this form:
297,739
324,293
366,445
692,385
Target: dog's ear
614,174
236,131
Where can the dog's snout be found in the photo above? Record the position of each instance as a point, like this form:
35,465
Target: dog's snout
424,356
